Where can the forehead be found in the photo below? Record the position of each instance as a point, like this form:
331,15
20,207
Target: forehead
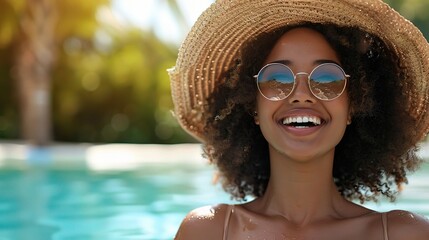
301,45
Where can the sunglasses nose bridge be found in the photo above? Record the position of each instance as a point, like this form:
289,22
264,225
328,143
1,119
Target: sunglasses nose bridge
301,91
307,75
301,73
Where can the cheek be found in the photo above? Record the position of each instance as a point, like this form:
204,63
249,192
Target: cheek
346,104
259,105
341,108
265,108
265,118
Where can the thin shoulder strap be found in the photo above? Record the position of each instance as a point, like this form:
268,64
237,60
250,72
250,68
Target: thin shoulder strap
229,210
384,220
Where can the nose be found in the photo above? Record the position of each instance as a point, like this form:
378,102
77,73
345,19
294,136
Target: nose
301,92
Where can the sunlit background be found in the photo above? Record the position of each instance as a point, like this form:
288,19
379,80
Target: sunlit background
95,71
89,148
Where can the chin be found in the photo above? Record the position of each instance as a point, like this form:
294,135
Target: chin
302,155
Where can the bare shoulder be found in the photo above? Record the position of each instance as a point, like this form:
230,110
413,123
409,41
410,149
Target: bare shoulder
203,223
407,225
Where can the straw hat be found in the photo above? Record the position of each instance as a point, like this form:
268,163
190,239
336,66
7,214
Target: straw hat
214,42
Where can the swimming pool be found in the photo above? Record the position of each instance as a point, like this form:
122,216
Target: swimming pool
149,203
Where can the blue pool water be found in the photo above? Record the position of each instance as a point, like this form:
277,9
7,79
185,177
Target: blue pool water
144,204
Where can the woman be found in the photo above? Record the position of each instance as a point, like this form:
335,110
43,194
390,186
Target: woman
304,106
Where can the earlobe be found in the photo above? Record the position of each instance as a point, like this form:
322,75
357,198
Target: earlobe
349,120
256,121
255,117
349,117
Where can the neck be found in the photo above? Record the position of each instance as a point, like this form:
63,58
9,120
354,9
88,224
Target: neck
302,191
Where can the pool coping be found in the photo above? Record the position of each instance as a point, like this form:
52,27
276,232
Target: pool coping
107,157
99,157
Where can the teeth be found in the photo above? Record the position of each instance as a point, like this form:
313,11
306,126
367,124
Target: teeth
302,119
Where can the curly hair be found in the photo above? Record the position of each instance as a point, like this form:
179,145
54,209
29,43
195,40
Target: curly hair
377,149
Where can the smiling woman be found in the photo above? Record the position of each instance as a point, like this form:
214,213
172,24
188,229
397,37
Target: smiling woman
304,151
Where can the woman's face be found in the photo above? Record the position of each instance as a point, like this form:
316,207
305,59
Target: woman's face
302,49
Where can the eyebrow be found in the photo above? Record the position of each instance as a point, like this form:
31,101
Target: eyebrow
316,62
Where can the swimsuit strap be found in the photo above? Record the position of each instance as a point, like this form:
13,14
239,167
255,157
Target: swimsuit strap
384,221
229,210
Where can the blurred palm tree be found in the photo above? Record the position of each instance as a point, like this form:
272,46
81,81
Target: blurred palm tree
35,56
35,29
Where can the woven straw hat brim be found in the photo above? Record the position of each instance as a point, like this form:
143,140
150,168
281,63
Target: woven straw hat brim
216,38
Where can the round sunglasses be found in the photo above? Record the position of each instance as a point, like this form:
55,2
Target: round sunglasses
277,81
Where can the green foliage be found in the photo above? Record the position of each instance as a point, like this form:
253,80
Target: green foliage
415,10
78,18
74,18
8,98
116,92
8,23
9,29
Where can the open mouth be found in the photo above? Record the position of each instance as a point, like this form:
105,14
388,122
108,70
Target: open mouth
302,121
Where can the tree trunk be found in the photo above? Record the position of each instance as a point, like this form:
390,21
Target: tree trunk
33,64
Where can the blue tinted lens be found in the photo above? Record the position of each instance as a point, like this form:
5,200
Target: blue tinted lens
327,81
275,81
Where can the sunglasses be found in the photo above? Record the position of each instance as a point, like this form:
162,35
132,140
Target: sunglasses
277,81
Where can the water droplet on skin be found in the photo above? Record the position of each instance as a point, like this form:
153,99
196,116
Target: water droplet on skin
410,218
249,225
